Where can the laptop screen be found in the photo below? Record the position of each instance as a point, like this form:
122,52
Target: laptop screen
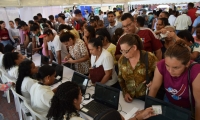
107,95
81,80
59,70
169,111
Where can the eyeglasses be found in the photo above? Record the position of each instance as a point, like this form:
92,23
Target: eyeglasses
127,26
125,51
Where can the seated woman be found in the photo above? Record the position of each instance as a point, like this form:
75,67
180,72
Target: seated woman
11,62
41,93
173,72
78,51
64,107
132,67
5,37
106,39
195,47
100,56
24,81
66,102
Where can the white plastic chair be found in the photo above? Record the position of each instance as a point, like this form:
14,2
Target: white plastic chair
34,114
5,78
20,105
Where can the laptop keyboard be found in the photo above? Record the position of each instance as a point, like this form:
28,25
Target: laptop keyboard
95,107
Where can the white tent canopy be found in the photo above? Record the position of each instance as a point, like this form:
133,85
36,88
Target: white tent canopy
5,3
146,2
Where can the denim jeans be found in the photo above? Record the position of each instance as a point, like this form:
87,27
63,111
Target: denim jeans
6,42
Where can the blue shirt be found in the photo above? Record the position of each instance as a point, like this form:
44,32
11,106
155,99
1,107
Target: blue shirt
196,22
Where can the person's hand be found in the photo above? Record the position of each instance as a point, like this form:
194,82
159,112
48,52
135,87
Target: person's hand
128,98
70,60
163,31
66,58
144,114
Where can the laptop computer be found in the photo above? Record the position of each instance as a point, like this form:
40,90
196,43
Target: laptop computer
105,97
81,80
59,72
169,111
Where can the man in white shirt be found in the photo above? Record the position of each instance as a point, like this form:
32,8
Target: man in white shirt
196,22
113,23
67,17
86,16
55,47
183,21
172,18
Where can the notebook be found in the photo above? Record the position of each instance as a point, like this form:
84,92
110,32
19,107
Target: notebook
105,97
59,72
169,111
81,80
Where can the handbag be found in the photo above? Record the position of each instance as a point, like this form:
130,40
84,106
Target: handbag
96,74
190,91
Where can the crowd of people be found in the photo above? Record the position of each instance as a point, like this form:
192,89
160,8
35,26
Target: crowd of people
137,52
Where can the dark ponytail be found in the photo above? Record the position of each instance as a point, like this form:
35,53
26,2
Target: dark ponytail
97,42
24,71
45,71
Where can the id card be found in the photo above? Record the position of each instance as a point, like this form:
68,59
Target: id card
157,109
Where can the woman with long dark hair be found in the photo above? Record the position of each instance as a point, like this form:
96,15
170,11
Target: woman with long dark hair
65,102
41,93
11,61
24,81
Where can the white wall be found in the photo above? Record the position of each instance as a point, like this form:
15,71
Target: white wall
27,13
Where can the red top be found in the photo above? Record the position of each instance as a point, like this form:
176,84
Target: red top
151,43
191,13
4,33
77,24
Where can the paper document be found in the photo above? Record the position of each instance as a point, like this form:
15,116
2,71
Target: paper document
131,113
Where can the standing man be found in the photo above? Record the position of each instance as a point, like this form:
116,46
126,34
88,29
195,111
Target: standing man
182,22
196,22
191,13
150,41
113,23
172,18
77,19
86,15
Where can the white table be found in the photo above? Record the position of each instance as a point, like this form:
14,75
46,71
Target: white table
67,75
123,105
